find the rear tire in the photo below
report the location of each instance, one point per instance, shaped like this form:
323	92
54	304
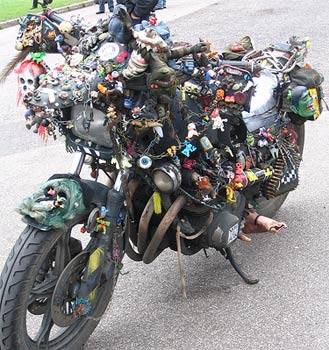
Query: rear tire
26	266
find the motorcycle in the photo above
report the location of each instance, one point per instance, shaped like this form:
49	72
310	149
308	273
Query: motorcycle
198	149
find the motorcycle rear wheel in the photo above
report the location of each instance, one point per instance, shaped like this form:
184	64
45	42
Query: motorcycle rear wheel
28	260
269	207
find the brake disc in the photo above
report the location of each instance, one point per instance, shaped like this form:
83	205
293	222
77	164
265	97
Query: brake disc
65	293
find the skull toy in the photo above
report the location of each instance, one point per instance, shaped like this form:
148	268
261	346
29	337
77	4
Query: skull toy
28	77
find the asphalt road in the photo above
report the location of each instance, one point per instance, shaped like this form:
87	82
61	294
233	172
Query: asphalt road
289	308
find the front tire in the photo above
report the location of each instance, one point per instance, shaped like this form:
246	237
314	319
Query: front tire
28	279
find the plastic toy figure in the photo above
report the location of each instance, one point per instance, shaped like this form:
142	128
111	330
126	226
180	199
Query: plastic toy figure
302	102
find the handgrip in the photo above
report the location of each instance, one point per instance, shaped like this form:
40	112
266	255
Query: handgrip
53	16
250	66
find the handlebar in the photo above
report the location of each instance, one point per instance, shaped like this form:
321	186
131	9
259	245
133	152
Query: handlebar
249	66
53	16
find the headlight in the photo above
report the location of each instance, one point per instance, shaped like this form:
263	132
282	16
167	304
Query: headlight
167	178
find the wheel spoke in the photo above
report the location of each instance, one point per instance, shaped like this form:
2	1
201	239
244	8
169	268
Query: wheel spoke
63	255
42	338
43	290
45	287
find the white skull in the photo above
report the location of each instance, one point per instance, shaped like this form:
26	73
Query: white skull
28	82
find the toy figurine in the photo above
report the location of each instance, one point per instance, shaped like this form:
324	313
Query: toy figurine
302	102
28	77
191	130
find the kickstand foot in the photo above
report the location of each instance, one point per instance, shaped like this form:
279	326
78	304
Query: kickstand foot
227	253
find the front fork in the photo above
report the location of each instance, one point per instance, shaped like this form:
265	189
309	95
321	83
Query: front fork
77	164
110	245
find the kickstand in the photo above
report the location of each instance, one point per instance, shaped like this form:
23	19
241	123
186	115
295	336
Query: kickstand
227	253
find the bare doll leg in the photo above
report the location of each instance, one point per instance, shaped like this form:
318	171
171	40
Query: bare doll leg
255	223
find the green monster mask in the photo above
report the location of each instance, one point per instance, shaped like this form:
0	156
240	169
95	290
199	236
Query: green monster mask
302	102
57	201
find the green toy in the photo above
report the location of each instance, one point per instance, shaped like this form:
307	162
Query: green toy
57	201
302	102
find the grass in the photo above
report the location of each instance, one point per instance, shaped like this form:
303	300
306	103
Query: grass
11	9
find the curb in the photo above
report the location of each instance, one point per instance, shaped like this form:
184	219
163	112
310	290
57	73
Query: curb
72	7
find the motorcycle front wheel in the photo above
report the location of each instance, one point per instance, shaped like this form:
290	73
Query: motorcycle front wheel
27	284
269	207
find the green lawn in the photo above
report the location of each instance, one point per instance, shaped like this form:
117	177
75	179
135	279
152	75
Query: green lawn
11	9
